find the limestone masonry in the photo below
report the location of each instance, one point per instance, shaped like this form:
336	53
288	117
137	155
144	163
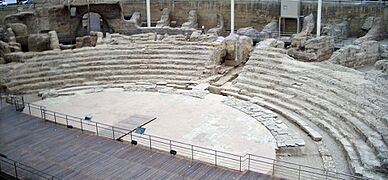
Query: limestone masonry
321	96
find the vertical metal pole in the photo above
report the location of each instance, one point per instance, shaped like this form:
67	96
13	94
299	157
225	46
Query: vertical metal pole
192	152
148	7
88	17
299	172
319	11
41	112
96	129
170	145
44	114
326	174
273	167
249	161
215	157
131	135
66	121
71	32
82	129
29	109
55	118
231	16
16	171
150	141
240	163
113	132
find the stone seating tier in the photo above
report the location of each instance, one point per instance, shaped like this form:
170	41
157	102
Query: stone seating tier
325	96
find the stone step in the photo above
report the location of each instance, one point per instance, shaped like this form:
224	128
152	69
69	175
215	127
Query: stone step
59	84
342	99
333	94
74	68
369	160
91	74
129	54
332	84
320	104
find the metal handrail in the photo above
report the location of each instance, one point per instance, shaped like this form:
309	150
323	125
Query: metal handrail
22	171
246	162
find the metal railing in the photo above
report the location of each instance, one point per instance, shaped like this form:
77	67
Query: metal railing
249	162
21	171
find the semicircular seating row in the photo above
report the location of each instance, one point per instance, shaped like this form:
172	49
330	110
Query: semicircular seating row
148	61
341	101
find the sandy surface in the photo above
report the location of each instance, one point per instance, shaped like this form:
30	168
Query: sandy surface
204	122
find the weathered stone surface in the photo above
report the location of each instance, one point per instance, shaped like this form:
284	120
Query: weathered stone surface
238	49
270	30
339	31
54	41
192	21
315	49
13	57
270	43
136	19
38	42
298	40
357	55
219	29
164	19
382	65
83	42
48	93
10	35
249	32
100	37
4	48
308	26
179	37
93	38
15	47
278	129
195	35
369	21
376	32
19	29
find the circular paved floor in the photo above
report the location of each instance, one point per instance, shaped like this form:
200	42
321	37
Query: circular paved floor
204	122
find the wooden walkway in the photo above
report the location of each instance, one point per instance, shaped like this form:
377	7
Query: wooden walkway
71	154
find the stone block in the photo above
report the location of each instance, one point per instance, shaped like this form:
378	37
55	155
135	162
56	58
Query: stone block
38	42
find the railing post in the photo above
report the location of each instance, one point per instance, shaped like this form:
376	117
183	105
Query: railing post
16	171
113	132
299	172
249	161
215	157
41	111
273	167
29	108
192	152
240	163
55	118
131	135
82	129
96	129
67	121
326	174
150	141
170	145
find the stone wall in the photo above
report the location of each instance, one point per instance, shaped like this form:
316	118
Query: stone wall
248	13
257	13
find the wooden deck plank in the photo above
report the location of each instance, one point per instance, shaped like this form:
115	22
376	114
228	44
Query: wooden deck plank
71	154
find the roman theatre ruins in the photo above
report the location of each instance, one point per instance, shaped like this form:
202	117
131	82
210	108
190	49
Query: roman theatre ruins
287	89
